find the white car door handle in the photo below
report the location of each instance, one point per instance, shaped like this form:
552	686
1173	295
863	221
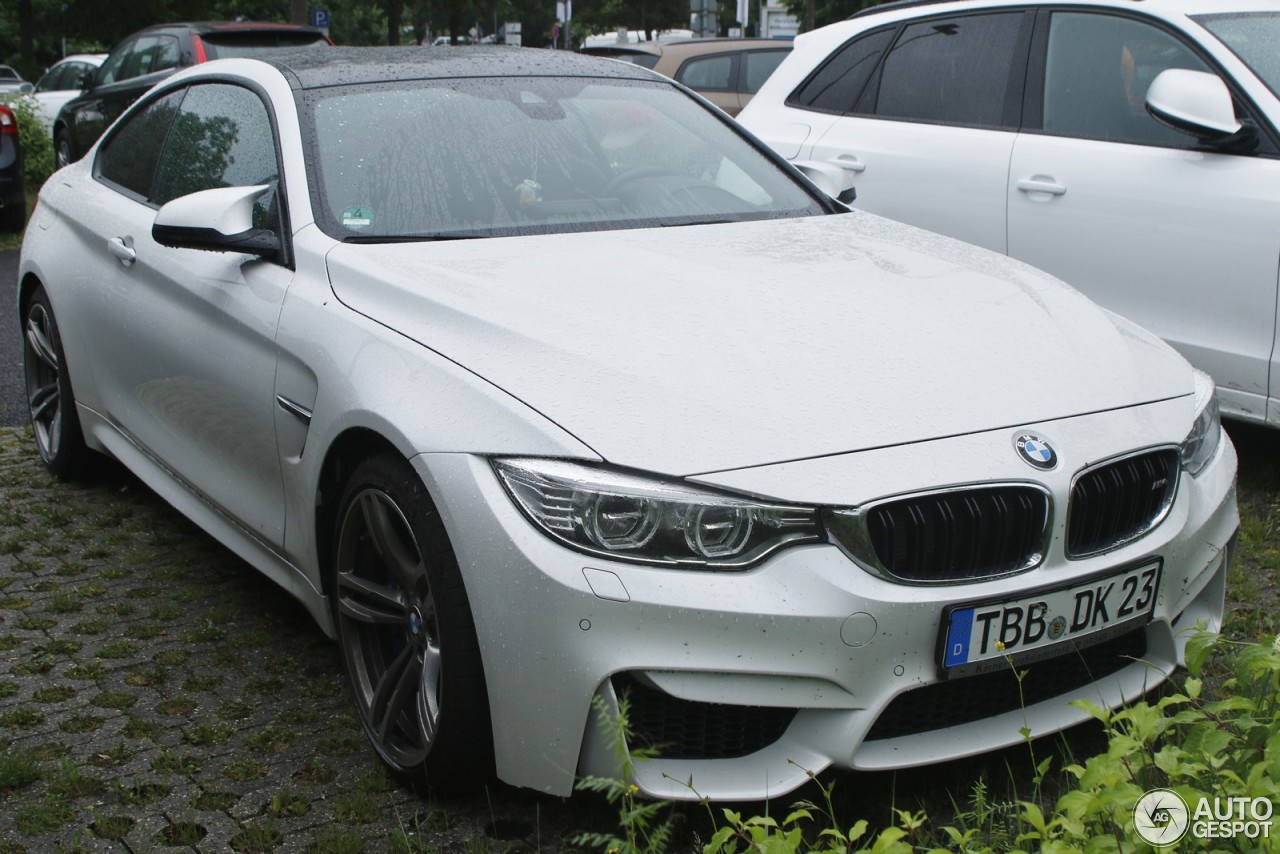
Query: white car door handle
1041	185
848	162
122	248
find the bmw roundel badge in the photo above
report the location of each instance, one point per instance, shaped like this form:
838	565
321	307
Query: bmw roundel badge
1036	450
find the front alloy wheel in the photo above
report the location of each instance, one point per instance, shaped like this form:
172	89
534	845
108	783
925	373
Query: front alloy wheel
49	399
406	633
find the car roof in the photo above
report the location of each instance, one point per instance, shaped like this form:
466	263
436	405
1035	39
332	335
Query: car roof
686	47
96	58
211	27
340	66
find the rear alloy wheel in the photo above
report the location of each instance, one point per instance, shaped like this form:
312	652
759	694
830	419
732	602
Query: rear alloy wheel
406	632
49	399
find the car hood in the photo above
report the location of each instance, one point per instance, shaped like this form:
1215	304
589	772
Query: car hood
697	349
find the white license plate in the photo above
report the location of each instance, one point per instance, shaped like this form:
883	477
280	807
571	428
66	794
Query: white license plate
995	635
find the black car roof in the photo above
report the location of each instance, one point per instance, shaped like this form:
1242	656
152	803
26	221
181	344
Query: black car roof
341	66
203	27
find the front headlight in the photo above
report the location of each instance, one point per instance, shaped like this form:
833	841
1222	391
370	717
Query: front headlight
1202	442
636	517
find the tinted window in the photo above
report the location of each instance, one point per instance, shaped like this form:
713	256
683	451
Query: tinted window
708	72
224	45
149	53
1097	73
109	71
838	84
953	70
759	65
52	79
128	158
221	137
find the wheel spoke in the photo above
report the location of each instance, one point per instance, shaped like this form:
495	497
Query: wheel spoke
394	693
40	344
44	399
384	533
429	695
368	601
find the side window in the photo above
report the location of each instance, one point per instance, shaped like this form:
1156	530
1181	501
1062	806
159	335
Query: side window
954	71
1097	71
52	79
110	70
166	53
837	85
222	137
708	72
129	156
150	53
758	65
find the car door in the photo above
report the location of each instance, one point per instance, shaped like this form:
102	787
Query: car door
187	337
1138	216
929	135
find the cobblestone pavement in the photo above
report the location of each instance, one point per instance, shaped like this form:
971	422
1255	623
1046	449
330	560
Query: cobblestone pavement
157	693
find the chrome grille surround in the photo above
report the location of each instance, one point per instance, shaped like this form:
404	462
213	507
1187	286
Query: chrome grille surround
1121	499
955	535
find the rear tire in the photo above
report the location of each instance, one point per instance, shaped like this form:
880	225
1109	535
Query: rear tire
50	401
406	632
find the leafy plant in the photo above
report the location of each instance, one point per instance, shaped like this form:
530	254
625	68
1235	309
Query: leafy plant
644	826
37	145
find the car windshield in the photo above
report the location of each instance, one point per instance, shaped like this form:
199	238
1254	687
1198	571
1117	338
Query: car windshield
1253	37
453	158
7	73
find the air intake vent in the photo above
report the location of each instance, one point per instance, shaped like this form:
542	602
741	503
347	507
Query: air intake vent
1119	501
683	729
958	535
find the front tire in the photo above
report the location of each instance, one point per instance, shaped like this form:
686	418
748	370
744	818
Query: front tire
50	401
406	632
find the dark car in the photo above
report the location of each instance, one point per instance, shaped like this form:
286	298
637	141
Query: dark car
147	57
13	199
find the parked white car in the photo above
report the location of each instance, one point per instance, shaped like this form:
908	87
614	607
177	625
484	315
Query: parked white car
63	81
543	386
1028	128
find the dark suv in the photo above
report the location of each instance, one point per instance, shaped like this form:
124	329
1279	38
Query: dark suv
150	55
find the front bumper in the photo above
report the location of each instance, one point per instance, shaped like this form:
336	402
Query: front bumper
749	681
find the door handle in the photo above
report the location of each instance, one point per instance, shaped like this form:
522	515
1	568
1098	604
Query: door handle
122	249
1041	184
848	162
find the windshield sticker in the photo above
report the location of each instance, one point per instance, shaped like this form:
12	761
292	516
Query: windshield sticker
357	218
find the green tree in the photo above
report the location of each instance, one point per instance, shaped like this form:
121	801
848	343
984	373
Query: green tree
823	12
645	16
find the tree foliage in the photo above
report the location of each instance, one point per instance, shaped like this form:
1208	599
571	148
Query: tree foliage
824	11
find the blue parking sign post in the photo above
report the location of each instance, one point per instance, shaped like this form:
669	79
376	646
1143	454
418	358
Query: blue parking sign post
320	19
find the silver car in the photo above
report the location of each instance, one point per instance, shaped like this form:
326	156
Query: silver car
544	387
